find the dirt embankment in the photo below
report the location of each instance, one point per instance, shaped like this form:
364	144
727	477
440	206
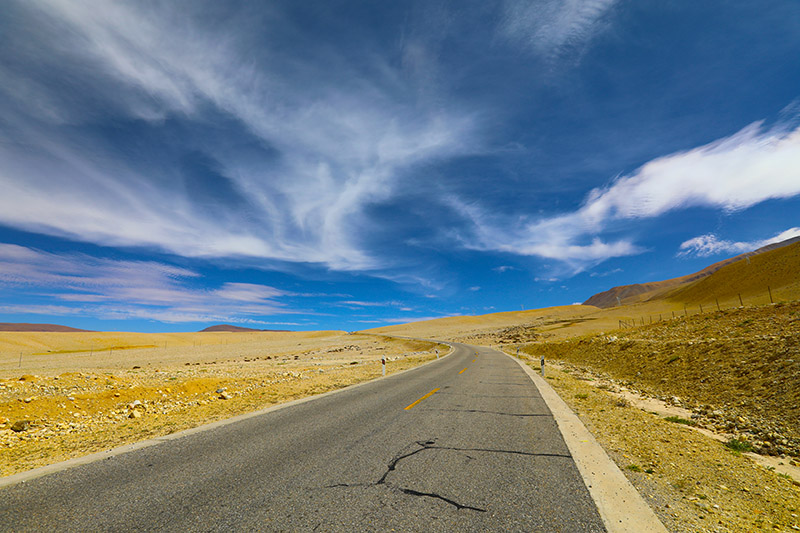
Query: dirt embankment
693	483
738	370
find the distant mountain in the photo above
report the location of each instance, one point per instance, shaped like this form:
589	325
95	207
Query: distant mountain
237	329
639	292
54	328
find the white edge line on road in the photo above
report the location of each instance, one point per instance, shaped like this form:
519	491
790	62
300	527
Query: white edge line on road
28	475
620	505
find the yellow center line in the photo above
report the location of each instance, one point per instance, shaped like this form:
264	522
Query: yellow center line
426	396
473	360
463	370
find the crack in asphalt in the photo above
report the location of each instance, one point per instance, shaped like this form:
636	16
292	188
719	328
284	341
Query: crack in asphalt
455	504
470	395
488	412
503	383
430	445
393	464
424	445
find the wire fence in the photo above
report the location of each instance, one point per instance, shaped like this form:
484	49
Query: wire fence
765	298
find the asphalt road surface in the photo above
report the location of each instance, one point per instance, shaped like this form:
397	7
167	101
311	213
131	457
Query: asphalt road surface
462	444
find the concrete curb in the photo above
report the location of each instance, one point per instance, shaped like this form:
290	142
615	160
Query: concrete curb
619	503
22	477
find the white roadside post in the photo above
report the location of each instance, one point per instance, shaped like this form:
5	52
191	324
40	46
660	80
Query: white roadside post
383	365
542	362
437	353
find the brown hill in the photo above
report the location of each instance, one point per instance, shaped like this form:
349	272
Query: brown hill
628	294
11	326
237	329
775	271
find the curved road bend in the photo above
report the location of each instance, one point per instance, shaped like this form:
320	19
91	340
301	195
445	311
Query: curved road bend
481	453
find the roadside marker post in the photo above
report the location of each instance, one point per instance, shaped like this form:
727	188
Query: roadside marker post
541	360
383	365
437	353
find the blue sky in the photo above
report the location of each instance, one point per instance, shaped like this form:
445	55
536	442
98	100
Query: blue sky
340	164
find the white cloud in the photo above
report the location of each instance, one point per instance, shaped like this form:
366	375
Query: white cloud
604	274
358	303
342	134
710	244
733	173
503	268
108	288
553	26
475	288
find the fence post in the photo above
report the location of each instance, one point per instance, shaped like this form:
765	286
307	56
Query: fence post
701	309
20	359
717	300
685	312
770	295
740	301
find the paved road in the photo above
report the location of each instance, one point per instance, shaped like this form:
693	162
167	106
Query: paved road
482	453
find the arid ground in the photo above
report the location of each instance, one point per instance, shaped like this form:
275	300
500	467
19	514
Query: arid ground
64	401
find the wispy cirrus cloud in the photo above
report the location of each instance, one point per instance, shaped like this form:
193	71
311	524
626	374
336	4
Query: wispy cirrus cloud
731	174
115	289
552	27
324	134
710	244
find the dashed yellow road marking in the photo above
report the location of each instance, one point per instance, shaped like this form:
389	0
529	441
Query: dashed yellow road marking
463	370
426	396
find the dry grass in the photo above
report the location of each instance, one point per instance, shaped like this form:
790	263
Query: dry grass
517	327
695	484
777	269
553	321
743	361
112	350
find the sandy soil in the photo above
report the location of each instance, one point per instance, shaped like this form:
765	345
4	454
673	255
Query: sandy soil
61	404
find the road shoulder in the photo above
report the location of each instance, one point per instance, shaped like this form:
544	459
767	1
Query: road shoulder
619	503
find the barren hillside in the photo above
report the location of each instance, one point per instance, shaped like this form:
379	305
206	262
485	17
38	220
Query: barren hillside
628	294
